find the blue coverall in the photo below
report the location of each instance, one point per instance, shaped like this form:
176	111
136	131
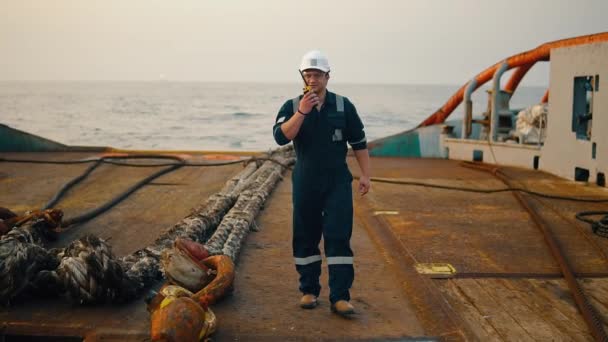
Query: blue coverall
322	192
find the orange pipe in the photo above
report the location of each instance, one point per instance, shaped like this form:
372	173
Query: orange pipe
517	76
545	98
541	53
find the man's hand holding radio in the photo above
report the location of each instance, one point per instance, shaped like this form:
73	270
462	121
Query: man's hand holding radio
308	102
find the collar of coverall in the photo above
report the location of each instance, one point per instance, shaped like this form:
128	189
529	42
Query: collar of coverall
330	98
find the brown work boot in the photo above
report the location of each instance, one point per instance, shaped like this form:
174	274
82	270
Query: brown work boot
308	301
343	308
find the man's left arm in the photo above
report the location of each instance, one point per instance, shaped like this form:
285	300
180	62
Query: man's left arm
357	140
364	179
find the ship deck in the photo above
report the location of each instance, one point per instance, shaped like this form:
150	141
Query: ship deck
507	286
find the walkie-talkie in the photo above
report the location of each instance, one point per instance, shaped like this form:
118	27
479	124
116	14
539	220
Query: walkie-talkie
306	88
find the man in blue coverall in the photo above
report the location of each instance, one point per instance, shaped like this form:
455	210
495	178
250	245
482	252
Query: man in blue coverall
320	123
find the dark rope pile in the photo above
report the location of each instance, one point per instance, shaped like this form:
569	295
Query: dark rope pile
6	218
88	272
599	227
22	257
86	269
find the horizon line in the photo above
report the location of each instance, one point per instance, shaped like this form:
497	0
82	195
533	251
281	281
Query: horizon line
244	82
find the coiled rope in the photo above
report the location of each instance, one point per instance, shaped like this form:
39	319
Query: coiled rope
88	271
22	258
599	227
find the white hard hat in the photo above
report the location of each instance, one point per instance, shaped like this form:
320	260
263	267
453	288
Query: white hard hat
314	59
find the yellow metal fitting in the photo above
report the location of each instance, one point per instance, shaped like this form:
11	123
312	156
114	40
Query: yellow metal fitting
436	270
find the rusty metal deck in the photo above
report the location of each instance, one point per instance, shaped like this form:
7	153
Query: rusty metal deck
505	272
504	268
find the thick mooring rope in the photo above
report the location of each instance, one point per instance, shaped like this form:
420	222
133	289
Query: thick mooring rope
235	226
88	271
22	257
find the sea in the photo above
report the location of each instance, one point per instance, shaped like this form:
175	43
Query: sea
167	115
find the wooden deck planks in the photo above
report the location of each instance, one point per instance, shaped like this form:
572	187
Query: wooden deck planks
571	329
478	324
532	322
523	309
493	312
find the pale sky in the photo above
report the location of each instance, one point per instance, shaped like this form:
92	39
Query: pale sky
373	41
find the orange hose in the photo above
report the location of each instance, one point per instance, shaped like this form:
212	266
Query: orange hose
541	53
545	98
517	76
